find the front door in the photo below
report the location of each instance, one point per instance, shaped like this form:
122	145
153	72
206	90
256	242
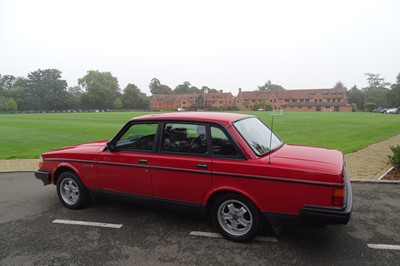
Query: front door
126	169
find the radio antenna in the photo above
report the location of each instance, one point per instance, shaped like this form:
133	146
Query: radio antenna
273	113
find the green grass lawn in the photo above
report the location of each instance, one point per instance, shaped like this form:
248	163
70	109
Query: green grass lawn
28	135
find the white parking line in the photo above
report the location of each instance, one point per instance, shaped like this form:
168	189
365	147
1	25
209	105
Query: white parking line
216	235
60	221
382	246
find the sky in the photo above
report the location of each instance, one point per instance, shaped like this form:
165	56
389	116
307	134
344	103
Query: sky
221	44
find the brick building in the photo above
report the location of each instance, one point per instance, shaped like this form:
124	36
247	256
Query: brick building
192	101
310	100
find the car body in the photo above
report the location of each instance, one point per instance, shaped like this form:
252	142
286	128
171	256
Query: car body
225	164
391	111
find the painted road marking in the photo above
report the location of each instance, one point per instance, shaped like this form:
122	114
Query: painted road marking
216	235
60	221
382	246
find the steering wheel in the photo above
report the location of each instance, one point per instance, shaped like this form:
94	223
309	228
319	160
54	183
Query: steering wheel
198	143
167	141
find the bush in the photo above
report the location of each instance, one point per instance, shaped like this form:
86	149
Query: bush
395	159
369	107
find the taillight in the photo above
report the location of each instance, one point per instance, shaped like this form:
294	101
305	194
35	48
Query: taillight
40	162
338	196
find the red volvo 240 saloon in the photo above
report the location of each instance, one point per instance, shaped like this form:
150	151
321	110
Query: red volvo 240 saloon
228	165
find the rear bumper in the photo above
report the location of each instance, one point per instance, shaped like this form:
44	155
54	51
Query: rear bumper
330	215
44	176
316	215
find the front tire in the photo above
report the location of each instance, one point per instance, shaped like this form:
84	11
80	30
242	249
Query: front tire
71	191
236	217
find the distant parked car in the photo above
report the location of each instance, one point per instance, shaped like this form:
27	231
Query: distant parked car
230	166
392	111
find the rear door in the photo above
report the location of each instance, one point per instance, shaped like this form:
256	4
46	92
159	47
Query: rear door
181	170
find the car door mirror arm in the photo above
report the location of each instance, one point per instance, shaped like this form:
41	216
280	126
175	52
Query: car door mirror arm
111	146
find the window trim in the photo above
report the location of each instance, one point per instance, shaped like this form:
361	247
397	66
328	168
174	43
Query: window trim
240	155
126	127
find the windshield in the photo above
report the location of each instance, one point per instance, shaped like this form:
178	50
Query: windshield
257	135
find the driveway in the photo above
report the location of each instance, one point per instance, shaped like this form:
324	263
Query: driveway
37	230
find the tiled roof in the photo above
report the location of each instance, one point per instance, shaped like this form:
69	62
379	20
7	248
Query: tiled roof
293	94
190	96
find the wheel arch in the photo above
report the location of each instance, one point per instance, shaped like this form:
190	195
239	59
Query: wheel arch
213	195
62	168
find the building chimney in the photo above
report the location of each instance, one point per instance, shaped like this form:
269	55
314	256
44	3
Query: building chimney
221	91
240	90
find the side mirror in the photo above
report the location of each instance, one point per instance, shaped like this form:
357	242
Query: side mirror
110	146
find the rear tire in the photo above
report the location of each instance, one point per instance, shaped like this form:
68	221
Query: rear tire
236	217
71	191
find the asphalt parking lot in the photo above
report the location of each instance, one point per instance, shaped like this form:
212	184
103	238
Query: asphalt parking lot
35	229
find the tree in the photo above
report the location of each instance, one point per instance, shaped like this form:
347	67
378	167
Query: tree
375	81
157	88
101	90
25	98
11	105
117	104
268	86
133	98
208	90
394	94
75	94
379	96
48	88
356	97
339	85
377	92
6	83
185	87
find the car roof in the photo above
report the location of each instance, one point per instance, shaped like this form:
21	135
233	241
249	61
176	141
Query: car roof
218	117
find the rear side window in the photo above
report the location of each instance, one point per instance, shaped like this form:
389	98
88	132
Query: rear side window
221	144
184	138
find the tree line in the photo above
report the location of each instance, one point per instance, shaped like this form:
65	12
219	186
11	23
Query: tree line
45	90
378	93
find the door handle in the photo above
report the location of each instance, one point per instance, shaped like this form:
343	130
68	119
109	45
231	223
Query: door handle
202	165
143	161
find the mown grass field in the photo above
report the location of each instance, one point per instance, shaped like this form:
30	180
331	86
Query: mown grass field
28	135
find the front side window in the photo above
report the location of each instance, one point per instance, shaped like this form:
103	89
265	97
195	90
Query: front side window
184	138
221	144
257	135
138	137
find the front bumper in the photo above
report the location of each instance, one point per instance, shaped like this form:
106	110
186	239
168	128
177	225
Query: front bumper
44	176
